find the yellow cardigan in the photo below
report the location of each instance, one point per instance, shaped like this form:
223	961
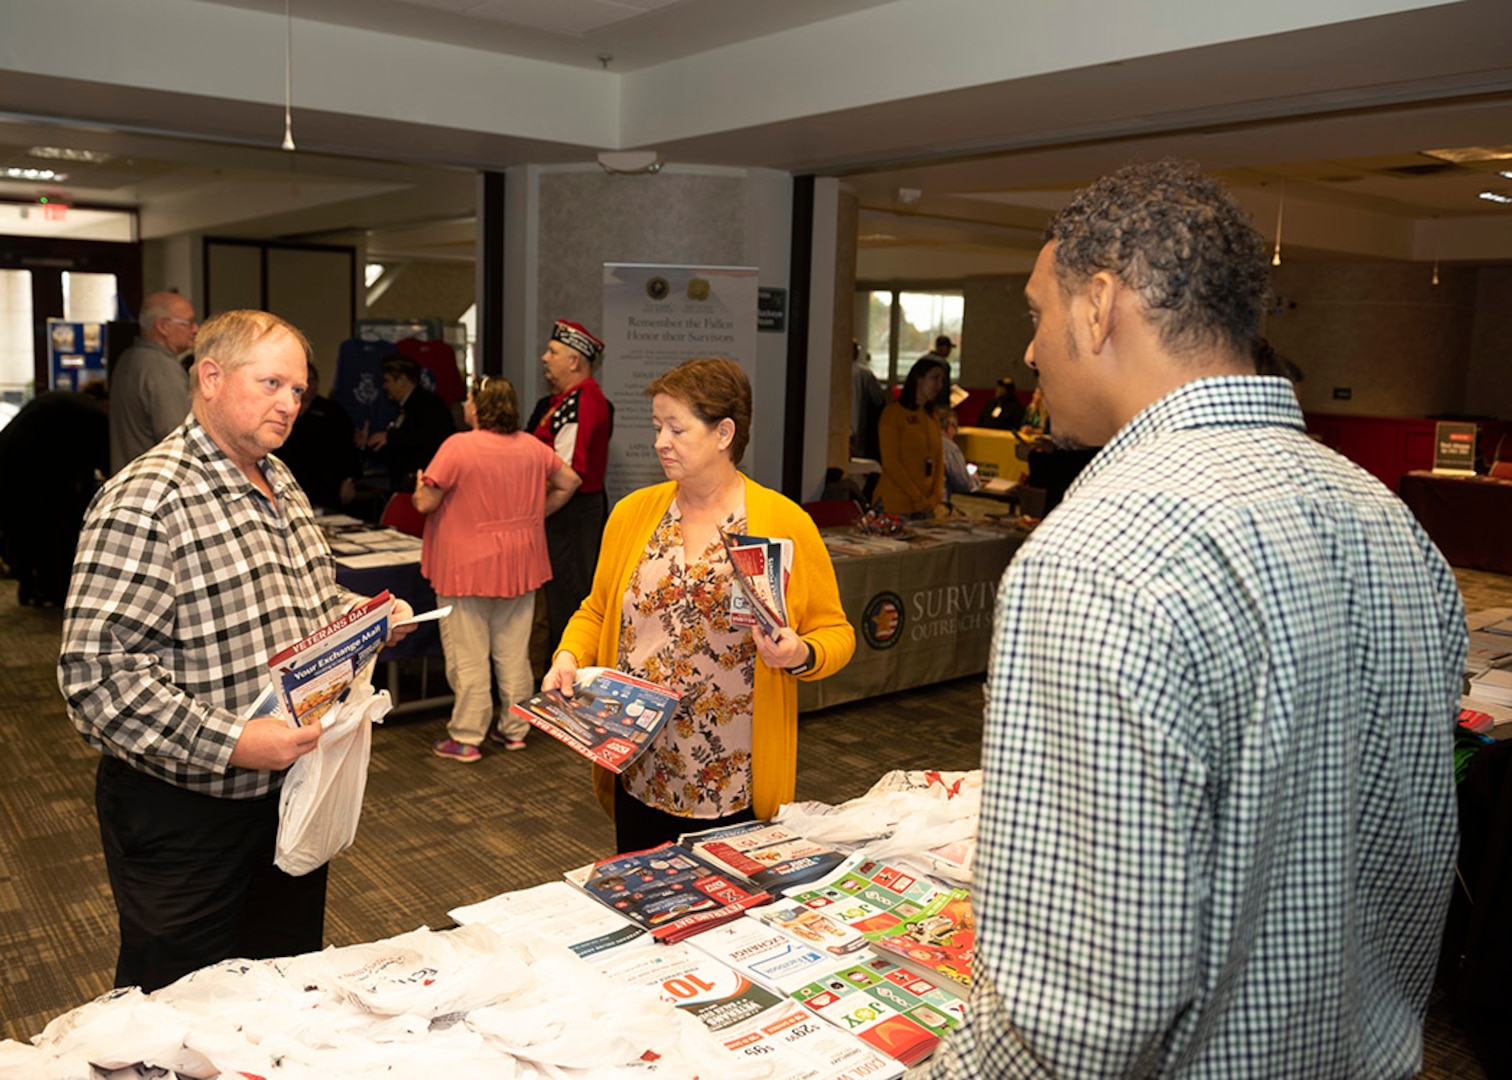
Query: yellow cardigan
592	636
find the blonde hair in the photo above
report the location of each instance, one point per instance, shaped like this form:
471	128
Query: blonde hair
229	338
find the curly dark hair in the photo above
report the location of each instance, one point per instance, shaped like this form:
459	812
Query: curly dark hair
1180	240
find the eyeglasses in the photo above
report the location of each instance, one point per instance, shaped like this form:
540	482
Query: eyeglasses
182	322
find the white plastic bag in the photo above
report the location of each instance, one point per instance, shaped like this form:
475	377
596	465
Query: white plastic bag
322	793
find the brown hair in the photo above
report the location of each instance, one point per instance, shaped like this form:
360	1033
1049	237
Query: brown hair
496	405
229	338
714	388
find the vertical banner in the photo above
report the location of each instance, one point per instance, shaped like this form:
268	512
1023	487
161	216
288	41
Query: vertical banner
655	317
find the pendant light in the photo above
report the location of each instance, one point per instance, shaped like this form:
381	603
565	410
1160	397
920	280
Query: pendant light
288	139
1280	210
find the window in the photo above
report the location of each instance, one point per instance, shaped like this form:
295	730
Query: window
89	297
16	345
898	327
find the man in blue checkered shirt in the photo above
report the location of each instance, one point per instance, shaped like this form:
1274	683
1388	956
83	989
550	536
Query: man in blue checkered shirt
197	562
1219	827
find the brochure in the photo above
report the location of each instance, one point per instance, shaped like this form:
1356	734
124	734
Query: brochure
751	1022
667	889
313	675
610	718
894	1010
770	856
760	948
762	568
939	943
553	912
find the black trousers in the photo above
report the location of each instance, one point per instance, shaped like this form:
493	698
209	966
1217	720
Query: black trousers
194	879
638	826
573	536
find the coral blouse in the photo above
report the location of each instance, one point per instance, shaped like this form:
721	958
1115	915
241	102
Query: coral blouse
488	536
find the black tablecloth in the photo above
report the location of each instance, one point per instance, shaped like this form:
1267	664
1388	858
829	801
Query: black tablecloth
1469	518
407	583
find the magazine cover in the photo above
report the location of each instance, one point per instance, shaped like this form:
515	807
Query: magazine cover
939	943
313	675
894	1010
667	889
610	718
770	856
762	568
750	1021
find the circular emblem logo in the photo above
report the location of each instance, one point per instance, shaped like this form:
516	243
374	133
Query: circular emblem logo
657	288
698	289
882	621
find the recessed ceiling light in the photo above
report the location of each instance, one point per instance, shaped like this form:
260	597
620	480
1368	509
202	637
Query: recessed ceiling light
43	175
1505	173
67	153
1496	197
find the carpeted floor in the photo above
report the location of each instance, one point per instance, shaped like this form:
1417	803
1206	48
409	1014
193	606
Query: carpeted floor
435	834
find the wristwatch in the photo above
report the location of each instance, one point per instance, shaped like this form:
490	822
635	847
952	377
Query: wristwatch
805	667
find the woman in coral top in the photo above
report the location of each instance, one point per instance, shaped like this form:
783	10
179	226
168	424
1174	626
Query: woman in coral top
488	493
660	609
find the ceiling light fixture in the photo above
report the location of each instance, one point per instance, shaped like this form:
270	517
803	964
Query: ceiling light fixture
68	153
1436	231
631	162
13	173
1496	197
1280	210
288	139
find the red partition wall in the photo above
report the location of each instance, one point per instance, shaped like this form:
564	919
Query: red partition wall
1388	446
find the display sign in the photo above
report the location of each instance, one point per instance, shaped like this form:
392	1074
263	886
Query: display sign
1454	448
771	310
656	317
76	353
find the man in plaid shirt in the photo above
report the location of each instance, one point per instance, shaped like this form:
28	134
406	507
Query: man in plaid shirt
197	562
1218	820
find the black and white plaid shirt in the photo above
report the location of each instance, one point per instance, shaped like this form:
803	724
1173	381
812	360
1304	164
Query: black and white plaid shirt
187	579
1219	823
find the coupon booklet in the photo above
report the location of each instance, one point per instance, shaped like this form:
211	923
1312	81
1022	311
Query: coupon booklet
666	889
312	676
762	568
609	719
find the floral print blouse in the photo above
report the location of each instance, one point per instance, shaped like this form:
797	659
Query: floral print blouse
675	630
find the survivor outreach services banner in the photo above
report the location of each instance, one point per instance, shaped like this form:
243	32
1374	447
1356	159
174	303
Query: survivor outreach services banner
655	317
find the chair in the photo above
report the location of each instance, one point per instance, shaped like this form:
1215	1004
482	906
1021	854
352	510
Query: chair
833	512
400	513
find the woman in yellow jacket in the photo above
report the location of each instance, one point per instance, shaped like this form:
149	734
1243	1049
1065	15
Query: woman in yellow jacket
913	474
659	609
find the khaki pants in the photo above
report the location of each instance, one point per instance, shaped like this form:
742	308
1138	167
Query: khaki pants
480	627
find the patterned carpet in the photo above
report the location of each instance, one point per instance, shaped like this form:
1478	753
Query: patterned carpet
435	834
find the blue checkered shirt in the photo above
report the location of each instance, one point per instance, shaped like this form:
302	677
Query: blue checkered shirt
187	579
1219	821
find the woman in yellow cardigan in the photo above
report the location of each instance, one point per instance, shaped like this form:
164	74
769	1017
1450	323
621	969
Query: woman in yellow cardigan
659	609
913	470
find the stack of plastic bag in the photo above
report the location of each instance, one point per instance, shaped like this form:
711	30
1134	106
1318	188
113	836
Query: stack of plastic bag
459	1004
924	817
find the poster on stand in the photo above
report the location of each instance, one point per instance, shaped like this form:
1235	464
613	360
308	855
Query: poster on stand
656	317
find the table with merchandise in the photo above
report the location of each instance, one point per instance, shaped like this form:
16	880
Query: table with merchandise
782	950
921	603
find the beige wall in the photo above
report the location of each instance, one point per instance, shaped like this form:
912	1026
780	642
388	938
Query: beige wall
590	218
1488	383
998	330
1400	344
1403	346
444	290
